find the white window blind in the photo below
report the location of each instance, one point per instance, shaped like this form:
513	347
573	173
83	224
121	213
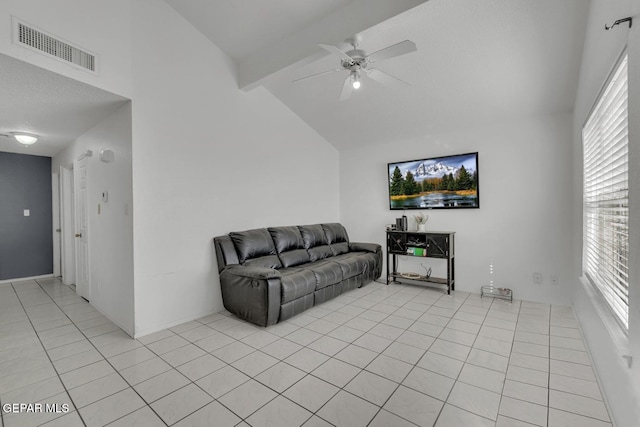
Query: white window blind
606	207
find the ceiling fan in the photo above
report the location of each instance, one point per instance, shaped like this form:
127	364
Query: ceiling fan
358	64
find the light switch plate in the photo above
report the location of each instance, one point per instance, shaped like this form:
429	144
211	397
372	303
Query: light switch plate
27	212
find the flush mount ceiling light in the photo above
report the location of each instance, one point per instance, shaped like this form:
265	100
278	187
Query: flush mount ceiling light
25	138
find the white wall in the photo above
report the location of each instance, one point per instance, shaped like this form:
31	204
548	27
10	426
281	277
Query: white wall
104	29
110	230
523	224
100	27
208	159
602	49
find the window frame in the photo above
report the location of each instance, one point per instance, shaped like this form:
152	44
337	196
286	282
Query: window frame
614	141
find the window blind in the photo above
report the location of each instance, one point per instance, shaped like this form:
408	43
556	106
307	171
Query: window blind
606	194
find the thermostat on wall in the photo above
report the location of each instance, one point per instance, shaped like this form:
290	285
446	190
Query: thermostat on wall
106	156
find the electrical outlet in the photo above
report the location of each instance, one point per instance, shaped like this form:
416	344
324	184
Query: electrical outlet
554	280
537	278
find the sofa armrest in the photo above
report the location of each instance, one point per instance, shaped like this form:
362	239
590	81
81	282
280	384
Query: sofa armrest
364	247
252	293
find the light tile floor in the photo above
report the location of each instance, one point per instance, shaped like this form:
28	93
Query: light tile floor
377	356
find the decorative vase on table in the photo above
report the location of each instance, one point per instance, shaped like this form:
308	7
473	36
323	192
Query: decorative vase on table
421	221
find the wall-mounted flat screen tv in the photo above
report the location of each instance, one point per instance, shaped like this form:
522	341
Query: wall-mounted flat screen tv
435	183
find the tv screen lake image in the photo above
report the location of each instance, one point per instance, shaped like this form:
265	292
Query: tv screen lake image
443	182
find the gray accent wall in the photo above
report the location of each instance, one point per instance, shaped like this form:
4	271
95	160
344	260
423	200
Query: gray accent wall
26	242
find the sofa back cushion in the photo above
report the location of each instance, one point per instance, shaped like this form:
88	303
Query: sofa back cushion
337	238
256	248
315	241
289	246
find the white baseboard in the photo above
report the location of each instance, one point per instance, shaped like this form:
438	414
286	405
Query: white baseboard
150	331
24	279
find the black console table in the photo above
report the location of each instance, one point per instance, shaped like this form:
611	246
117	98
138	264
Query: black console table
421	244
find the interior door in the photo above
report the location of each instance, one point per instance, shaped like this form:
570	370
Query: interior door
57	228
81	227
68	253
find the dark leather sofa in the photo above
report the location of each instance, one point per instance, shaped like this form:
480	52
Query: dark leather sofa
268	275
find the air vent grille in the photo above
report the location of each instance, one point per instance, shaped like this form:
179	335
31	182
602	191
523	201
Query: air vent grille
52	46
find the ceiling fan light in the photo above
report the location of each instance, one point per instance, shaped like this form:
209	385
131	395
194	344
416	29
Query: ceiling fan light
25	138
356	81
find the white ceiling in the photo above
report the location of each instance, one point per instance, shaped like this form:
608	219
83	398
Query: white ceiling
478	62
240	28
57	108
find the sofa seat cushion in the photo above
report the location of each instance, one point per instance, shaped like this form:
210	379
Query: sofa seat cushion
296	282
351	264
356	263
327	273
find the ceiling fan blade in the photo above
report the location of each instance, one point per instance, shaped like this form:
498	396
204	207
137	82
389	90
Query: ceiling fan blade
386	79
347	88
318	75
397	49
334	50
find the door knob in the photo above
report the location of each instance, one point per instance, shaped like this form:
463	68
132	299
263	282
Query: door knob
78	234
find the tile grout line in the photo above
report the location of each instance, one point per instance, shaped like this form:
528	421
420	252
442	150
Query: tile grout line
43	347
595	372
332	357
548	363
408	299
253	377
465	362
381	407
104	358
363	369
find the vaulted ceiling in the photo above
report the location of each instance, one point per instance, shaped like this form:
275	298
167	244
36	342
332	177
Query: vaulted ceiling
478	61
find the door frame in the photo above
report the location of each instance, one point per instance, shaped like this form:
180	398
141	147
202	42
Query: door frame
68	253
81	226
57	227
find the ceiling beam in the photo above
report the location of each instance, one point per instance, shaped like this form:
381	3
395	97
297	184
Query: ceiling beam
302	47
